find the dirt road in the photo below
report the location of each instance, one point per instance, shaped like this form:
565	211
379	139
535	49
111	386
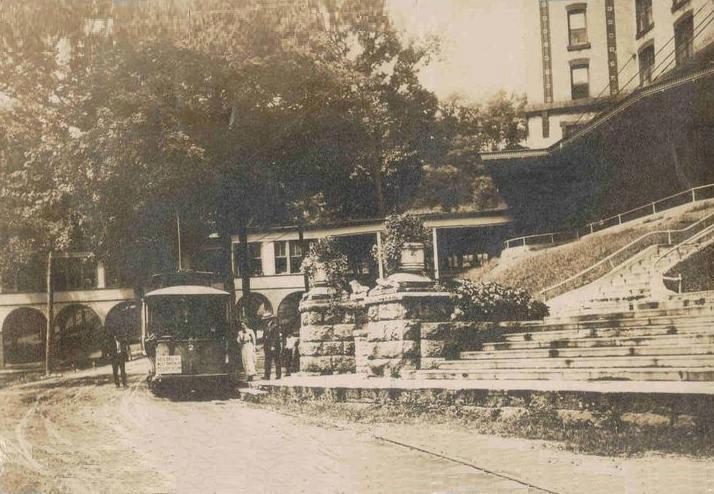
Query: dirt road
80	434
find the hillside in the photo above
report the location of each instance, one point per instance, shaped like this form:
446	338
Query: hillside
552	266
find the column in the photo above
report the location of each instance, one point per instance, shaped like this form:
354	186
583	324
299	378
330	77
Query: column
436	253
379	247
101	275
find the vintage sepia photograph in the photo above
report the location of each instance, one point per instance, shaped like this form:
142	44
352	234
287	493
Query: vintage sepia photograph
356	246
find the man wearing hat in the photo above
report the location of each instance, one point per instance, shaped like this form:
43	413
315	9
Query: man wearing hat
272	345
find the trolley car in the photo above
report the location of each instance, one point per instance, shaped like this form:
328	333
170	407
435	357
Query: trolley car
185	331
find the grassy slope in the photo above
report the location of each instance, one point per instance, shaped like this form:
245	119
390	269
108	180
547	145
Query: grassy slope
555	265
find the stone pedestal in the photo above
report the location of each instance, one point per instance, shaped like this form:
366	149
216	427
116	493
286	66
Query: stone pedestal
327	344
396	311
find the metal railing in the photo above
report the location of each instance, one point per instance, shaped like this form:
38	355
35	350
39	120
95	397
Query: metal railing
702	236
694	194
624	254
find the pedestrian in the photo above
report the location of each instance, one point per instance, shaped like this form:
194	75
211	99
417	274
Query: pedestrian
118	353
246	341
289	352
272	346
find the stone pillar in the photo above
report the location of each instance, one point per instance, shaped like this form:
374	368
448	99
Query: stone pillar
396	310
327	344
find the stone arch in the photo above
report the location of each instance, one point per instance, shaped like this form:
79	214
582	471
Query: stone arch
259	303
288	313
125	319
23	336
78	335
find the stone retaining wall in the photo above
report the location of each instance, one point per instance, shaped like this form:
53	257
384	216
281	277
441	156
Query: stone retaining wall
389	333
658	409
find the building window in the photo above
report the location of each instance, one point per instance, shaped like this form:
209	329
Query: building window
647	61
545	119
74	273
296	255
577	28
288	257
580	80
643	14
29	278
678	4
684	39
281	257
570	128
255	259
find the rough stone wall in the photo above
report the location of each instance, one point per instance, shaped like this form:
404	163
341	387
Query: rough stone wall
387	334
442	341
327	343
393	330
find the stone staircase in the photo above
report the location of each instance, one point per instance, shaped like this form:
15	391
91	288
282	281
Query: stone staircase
637	278
657	341
625	325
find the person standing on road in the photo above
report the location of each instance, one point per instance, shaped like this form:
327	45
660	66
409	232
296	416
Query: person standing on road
246	340
289	352
118	352
273	346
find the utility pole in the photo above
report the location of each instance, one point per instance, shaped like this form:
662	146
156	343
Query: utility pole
50	313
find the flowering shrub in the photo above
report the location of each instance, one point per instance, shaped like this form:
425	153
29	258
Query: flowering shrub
494	302
325	254
398	230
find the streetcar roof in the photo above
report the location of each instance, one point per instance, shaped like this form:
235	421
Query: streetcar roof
186	290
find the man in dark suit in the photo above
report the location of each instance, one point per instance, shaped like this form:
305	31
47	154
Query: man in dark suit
272	346
118	351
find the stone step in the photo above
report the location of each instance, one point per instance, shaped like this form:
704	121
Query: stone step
642	309
666	361
631	374
701	327
616	341
594	351
604	321
584	307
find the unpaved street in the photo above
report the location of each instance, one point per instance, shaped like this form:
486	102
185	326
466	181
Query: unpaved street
80	434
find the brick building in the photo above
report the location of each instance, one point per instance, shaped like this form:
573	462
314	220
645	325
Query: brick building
584	56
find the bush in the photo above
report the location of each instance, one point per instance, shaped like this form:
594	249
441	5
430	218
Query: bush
327	254
398	230
491	301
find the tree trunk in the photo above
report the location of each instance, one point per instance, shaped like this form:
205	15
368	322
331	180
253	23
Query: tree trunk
50	314
244	267
229	283
379	189
378	178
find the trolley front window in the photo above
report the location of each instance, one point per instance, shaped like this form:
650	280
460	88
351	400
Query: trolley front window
188	317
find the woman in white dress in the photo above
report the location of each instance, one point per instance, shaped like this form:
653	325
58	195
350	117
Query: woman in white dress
247	340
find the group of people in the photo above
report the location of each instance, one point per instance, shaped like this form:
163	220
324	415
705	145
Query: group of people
281	350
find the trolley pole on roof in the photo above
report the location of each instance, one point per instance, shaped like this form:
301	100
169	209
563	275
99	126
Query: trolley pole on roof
178	238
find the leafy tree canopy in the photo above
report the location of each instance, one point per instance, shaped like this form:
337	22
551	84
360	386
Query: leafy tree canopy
117	115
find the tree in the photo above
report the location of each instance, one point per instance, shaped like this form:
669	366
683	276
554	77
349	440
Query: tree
457	178
232	115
